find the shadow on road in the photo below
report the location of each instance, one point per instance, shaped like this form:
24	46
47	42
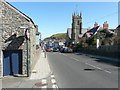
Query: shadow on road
78	54
102	60
107	61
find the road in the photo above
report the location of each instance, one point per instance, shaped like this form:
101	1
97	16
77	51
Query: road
75	70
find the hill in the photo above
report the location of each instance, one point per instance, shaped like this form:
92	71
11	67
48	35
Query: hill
57	36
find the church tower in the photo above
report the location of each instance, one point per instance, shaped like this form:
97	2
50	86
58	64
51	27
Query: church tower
76	26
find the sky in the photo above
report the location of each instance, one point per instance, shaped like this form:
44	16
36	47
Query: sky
56	17
119	13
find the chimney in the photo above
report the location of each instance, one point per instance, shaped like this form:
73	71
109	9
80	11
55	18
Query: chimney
96	24
105	25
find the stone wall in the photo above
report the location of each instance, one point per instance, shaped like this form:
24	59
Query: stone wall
13	34
33	48
106	51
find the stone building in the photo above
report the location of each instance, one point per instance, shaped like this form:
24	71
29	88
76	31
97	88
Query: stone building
117	37
17	51
76	26
68	37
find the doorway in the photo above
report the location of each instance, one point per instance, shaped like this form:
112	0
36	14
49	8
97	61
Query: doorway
12	62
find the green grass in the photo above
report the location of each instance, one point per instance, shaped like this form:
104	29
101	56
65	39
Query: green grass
57	36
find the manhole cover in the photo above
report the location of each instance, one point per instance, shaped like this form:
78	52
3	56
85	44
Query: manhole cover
89	69
39	84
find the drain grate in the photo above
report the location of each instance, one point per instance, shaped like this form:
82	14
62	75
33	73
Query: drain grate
89	69
40	84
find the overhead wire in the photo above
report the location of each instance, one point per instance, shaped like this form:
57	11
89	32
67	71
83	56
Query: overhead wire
103	17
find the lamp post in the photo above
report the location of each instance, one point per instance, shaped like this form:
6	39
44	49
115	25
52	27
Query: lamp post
97	44
98	40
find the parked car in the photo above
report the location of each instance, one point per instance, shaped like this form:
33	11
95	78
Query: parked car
55	49
66	50
69	50
62	49
49	49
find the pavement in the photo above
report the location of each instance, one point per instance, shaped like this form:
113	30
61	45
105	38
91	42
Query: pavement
41	69
38	79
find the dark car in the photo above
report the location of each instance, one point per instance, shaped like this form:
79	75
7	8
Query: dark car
62	49
69	50
66	50
55	49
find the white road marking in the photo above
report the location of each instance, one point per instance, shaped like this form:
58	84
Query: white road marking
90	65
107	71
54	86
75	59
44	87
98	68
93	66
52	76
70	57
53	81
44	81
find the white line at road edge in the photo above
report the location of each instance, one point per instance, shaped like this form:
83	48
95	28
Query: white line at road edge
98	68
75	59
54	86
53	81
93	66
44	87
71	57
52	76
44	81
